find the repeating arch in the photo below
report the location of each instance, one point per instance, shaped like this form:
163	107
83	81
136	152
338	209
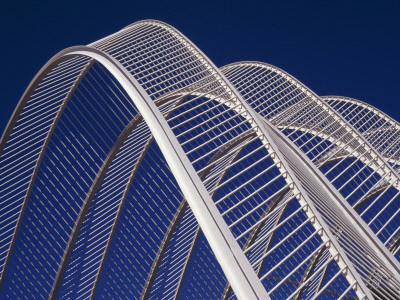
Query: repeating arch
308	122
382	132
328	139
111	139
159	127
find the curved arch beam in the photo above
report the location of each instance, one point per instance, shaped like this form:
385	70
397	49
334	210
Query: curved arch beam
333	155
121	205
271	238
309	271
233	261
221	152
227	86
252	116
344	208
394	125
254	233
179	213
177	216
256	118
117	217
367	106
162	249
375	155
378	188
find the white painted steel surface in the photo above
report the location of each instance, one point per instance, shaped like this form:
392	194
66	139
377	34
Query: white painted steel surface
135	168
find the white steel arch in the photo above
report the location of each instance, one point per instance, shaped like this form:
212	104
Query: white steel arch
387	128
266	221
278	118
344	148
259	81
382	132
98	59
238	270
80	51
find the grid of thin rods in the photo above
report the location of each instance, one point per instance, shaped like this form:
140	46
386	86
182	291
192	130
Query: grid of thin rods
88	127
104	194
332	146
217	125
20	155
316	131
382	132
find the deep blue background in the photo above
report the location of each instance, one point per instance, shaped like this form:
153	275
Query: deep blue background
348	48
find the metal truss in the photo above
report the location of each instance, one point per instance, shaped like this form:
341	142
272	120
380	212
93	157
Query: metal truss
329	141
135	168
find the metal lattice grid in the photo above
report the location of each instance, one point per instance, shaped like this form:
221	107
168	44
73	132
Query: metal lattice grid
134	168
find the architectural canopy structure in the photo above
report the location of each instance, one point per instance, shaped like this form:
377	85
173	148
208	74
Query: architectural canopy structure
135	168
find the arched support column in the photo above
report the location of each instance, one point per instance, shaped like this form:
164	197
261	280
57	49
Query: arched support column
232	259
228	253
340	205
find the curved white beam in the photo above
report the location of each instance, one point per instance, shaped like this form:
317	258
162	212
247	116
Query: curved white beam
375	157
257	123
184	170
394	125
203	175
376	161
341	206
235	265
231	258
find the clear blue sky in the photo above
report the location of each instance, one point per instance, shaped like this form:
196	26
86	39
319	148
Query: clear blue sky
347	48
